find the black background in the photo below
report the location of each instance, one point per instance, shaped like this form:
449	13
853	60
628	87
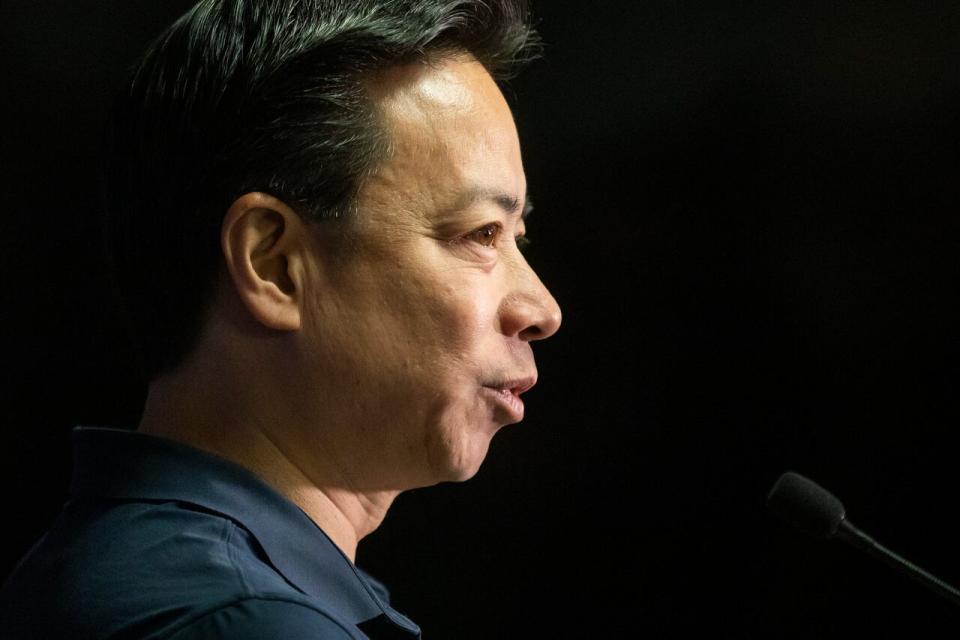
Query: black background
748	213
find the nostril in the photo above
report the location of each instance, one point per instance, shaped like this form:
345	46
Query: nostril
538	322
539	331
532	333
548	324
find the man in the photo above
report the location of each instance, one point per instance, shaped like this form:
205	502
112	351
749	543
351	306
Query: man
316	213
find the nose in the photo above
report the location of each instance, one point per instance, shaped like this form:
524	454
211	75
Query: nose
529	311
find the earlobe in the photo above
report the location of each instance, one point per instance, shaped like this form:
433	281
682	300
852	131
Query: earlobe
261	238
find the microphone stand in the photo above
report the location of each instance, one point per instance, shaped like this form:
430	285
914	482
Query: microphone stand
857	538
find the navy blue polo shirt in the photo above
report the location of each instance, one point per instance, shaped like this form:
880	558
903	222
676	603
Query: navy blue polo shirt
160	540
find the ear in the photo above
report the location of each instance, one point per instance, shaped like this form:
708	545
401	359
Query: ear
263	241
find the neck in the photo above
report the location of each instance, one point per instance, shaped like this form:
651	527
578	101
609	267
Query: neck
323	491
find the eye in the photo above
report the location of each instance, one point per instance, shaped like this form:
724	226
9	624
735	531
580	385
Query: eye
487	235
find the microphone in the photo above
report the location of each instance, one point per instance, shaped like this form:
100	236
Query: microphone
818	513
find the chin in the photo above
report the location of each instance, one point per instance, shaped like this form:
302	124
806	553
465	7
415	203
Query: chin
460	465
457	441
463	474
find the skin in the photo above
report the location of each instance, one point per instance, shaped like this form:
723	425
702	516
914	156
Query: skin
343	377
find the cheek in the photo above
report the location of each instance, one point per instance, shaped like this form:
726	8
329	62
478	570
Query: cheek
467	312
452	312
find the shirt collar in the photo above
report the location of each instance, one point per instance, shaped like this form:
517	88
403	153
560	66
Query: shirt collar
119	463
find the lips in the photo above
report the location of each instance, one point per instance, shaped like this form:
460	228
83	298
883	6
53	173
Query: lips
506	394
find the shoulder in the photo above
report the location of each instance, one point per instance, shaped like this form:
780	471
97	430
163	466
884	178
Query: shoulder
258	618
157	566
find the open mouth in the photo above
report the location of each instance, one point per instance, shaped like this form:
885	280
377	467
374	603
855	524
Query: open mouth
509	403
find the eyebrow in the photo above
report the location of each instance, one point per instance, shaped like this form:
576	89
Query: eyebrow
509	203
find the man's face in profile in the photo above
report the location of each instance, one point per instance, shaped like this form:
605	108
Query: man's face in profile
425	325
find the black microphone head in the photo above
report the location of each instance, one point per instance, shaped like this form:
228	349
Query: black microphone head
806	505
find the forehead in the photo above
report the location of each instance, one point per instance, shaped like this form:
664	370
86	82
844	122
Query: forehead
440	84
450	132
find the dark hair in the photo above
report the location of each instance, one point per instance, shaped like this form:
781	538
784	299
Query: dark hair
259	95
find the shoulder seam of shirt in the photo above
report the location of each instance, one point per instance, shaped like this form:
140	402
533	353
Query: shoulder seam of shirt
206	614
231	528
